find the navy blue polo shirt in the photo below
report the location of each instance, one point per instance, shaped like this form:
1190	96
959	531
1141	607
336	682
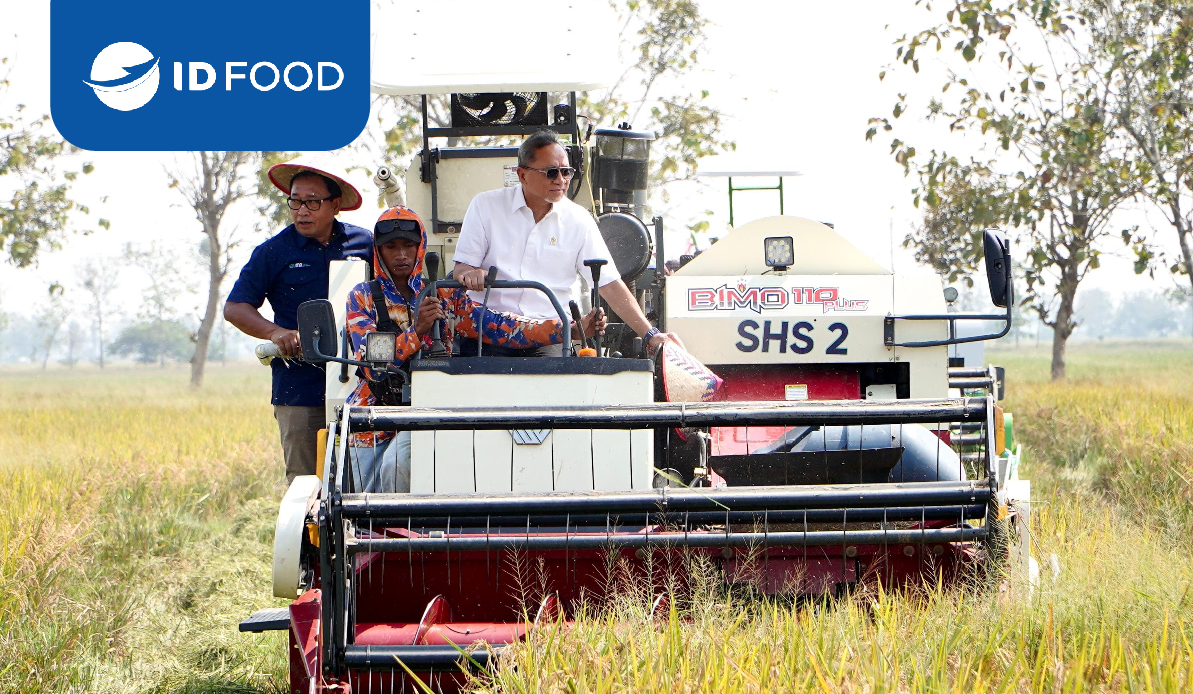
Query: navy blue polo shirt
287	270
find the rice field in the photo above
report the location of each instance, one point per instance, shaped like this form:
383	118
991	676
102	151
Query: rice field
136	522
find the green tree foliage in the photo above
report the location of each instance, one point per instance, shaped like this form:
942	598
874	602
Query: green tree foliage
50	317
1059	167
35	218
272	204
98	278
665	41
1150	46
155	341
165	284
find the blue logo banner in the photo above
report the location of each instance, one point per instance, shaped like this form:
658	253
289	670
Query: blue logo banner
216	75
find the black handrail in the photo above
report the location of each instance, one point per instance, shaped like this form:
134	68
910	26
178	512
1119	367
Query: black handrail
500	284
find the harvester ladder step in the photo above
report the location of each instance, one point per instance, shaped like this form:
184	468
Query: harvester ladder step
269	619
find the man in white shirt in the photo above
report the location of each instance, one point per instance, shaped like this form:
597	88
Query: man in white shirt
533	232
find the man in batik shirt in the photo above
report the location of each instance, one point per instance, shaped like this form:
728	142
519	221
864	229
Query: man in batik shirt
378	463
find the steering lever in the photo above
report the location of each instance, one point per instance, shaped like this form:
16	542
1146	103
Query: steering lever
490	278
594	266
438	349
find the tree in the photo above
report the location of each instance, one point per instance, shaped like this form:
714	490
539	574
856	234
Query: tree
98	278
212	182
1150	44
152	341
668	42
1062	167
166	282
1096	313
37	214
50	317
661	40
1182	296
74	337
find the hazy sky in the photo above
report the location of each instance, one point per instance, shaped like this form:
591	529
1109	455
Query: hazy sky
797	80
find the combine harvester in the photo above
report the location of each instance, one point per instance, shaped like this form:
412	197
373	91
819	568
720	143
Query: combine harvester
843	449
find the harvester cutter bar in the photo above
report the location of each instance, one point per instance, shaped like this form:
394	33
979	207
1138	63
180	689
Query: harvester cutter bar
667	414
675	500
420	658
853	515
708	538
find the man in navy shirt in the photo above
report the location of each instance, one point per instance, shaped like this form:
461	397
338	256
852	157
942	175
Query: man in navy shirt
286	270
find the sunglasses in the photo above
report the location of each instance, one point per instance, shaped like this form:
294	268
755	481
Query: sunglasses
312	205
554	172
385	226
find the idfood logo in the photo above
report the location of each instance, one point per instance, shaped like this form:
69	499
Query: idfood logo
226	86
124	76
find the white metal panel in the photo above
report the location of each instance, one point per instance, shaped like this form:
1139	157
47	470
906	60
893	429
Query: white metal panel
495	471
566	460
343	275
819	250
534	466
460	180
922	294
773	319
573	458
422	447
445	46
615	473
641	459
455	471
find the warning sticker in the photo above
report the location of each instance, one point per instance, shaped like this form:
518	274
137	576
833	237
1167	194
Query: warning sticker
795	391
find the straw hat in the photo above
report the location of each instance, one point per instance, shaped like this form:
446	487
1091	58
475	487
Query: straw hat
685	379
321	163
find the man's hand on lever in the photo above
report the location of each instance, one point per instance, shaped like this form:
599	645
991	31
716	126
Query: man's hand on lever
429	311
249	321
594	323
287	342
471	277
619	298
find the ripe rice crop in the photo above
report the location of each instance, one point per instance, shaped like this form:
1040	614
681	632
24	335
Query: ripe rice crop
137	520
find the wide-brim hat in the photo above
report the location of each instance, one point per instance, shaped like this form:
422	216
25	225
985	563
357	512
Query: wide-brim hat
685	379
281	175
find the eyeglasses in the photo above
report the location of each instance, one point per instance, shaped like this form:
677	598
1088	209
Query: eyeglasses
385	226
554	172
312	205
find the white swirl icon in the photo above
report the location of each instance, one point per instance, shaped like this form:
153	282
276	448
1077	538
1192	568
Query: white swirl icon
124	76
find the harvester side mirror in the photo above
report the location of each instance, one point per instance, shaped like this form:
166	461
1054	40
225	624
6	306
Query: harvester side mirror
998	268
317	330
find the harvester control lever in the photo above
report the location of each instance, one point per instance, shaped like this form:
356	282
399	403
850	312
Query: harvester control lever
594	266
438	349
585	350
490	278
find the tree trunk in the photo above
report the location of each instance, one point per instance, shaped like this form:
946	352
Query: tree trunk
99	333
1062	327
215	280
